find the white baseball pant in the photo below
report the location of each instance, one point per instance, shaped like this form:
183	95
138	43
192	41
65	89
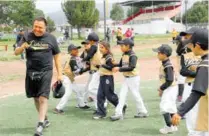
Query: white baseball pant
168	100
192	114
181	79
86	94
69	87
130	84
94	86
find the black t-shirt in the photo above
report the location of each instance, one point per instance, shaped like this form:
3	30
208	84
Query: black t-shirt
40	53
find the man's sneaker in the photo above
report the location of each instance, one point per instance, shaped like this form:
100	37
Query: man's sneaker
167	130
141	115
56	111
124	109
116	117
39	130
97	117
85	107
46	123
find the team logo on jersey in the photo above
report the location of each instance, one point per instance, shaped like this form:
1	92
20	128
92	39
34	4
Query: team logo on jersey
38	45
107	82
190	62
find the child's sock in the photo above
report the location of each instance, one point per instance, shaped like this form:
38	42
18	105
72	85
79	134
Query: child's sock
167	118
181	89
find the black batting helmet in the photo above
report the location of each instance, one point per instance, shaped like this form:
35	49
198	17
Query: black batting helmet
58	90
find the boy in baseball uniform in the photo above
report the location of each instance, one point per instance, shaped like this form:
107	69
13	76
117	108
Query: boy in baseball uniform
198	99
128	66
73	67
94	57
87	46
168	89
189	63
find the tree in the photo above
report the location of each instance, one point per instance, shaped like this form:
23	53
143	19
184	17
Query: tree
198	13
117	12
131	11
4	11
38	13
19	12
51	25
81	14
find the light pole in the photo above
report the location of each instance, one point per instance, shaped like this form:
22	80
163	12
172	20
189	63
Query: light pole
186	2
104	20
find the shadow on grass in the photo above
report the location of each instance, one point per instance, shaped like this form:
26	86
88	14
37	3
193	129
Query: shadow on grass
22	131
76	112
145	131
142	131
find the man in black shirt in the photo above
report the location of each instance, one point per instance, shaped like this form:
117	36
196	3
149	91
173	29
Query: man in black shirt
41	47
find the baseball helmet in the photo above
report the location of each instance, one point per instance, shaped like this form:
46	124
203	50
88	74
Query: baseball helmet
58	90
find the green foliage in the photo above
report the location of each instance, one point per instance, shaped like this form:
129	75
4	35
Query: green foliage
51	25
132	10
197	14
8	29
38	13
117	12
17	12
81	13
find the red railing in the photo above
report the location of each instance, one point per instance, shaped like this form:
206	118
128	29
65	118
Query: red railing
143	11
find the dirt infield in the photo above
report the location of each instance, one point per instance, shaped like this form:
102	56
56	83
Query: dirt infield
148	71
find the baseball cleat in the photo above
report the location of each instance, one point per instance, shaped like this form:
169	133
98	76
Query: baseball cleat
167	130
141	115
97	117
56	111
116	117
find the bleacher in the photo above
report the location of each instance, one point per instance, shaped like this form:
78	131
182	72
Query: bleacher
146	15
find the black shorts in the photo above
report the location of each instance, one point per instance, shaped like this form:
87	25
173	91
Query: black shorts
38	84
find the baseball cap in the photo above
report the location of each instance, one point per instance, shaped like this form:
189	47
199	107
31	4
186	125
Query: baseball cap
85	42
72	47
190	31
165	49
93	37
126	41
200	37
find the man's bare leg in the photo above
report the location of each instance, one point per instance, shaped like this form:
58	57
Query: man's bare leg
36	102
43	107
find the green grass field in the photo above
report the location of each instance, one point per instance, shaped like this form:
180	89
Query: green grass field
9	54
18	118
